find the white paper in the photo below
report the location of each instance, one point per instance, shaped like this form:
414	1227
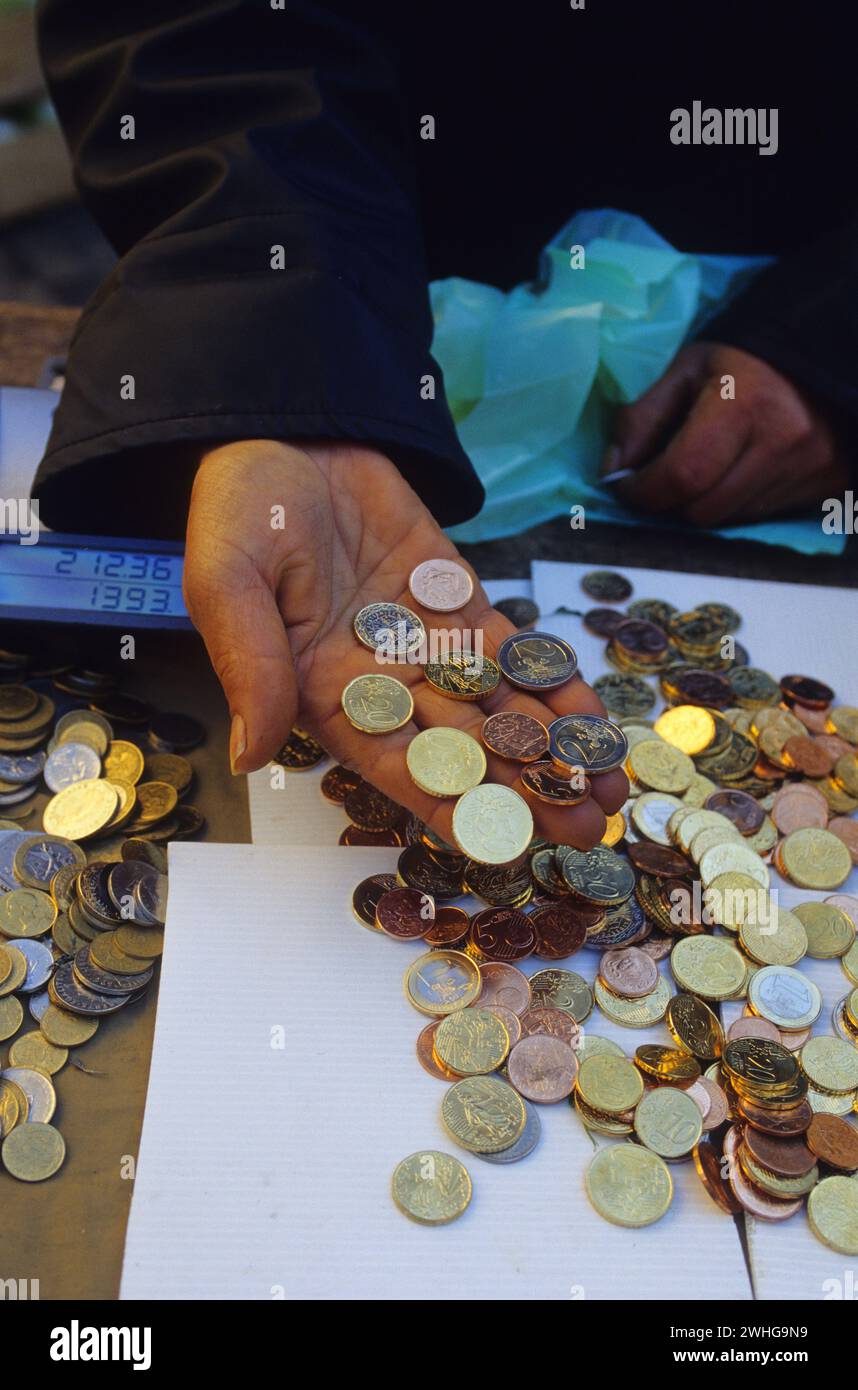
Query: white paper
797	627
265	1172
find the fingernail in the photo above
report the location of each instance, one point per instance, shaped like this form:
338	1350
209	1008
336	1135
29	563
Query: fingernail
237	742
613	459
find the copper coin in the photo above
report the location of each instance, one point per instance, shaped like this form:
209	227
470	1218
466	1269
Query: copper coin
603	621
543	1069
370	809
378	839
418	869
698	687
710	1165
441	585
846	831
834	744
450	927
546	783
503	934
786	1157
426	1054
510	1020
814	719
847	903
516	736
544	1019
503	986
366	896
698	1094
338	782
630	973
741	809
809	756
796	1039
405	913
658	860
642	639
799	807
750	1026
561	929
779	1123
835	1141
657	945
719	1106
758	1203
804	690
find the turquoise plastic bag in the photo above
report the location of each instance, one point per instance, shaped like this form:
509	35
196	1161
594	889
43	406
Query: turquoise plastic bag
532	376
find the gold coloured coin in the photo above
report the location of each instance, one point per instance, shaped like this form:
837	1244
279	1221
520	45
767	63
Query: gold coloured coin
694	1027
18	973
843	720
463	676
634	1013
734	898
33	1152
483	1114
732	857
830	1065
142	943
155	801
377	704
707	966
34	1050
661	767
832	1210
610	1084
669	1122
441	982
25	912
123	762
672	1066
689	728
492	824
13	1106
66	1030
562	989
431	1187
781	941
445	762
815	858
821	1103
11	1016
472	1042
81	810
829	931
629	1185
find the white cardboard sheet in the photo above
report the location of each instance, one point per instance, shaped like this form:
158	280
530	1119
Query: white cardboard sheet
264	1172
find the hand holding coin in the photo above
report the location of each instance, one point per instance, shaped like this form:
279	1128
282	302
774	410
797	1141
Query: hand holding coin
285	546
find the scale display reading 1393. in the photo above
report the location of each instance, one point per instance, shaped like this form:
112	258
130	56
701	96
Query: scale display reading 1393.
92	579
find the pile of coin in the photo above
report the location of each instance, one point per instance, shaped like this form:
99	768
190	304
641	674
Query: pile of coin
723	787
83	901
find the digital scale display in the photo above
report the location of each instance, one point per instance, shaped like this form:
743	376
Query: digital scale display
93	579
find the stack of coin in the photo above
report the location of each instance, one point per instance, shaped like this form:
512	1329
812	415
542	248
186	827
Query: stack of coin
83	901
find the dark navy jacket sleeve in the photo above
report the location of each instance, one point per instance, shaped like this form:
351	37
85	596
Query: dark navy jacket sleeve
254	128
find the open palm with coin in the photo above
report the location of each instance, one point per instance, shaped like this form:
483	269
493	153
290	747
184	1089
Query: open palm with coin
274	594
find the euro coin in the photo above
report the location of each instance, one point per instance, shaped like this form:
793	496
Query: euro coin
689	728
543	1068
832	1210
463	676
442	981
81	810
33	1152
34	1050
629	1185
25	912
660	767
634	1013
492	824
483	1114
536	661
707	966
472	1042
431	1187
511	734
830	1065
445	762
610	1084
587	741
391	629
441	585
66	1030
669	1122
814	858
377	704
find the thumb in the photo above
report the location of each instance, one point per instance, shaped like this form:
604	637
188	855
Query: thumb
241	625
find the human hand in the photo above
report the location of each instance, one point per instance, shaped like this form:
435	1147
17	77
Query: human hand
716	460
275	609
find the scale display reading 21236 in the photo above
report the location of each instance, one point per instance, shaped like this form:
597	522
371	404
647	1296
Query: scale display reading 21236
92	580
